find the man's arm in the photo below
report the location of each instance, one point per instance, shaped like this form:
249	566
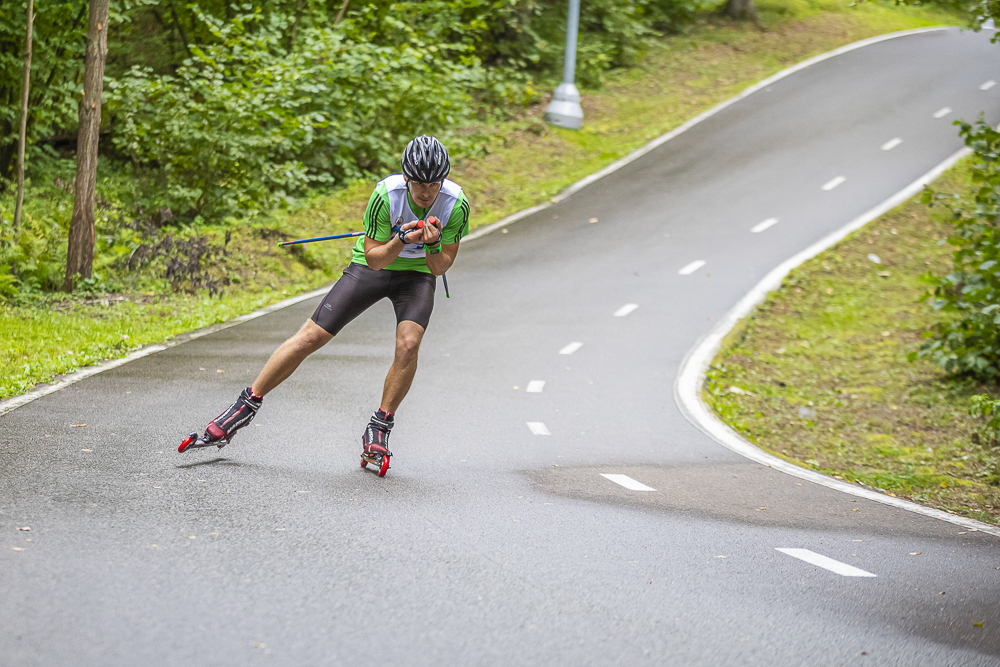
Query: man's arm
442	261
380	254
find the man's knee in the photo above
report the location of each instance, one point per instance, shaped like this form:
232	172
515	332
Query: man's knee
311	337
408	343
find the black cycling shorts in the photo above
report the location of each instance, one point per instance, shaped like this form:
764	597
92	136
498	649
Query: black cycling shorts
411	293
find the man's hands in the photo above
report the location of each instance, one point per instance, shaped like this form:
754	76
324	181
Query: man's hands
428	233
379	254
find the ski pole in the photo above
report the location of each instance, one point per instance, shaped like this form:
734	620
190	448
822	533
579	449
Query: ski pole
352	234
321	238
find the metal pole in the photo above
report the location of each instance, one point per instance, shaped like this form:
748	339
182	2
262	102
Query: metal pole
564	110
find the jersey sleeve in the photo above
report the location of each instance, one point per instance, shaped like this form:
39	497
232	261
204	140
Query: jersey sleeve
458	223
376	220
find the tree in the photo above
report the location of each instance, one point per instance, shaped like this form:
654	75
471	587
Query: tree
80	257
741	9
24	121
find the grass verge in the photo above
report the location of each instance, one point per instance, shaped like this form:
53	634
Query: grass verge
818	374
526	162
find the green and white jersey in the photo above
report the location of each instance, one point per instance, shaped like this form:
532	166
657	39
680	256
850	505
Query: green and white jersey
390	206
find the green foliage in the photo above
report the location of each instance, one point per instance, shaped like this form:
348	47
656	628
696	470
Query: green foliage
968	342
982	405
57	62
244	123
252	116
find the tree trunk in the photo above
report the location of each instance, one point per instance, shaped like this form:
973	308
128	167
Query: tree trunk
80	258
340	14
741	10
24	121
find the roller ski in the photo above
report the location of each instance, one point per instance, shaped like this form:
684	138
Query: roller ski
375	442
221	430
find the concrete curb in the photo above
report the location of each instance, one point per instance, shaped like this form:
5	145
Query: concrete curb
15	402
664	138
691	376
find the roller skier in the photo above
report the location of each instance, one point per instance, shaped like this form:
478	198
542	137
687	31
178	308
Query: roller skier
412	228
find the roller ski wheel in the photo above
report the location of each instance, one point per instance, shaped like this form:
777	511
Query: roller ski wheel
195	441
379	461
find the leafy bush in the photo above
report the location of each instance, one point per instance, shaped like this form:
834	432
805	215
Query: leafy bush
982	405
968	343
244	123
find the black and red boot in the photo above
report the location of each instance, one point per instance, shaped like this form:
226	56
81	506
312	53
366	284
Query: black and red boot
220	431
375	441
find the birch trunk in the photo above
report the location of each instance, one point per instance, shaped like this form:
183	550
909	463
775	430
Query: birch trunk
22	136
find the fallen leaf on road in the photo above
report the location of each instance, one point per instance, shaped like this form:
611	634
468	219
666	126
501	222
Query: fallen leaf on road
593	220
78	425
86	450
260	645
25	528
916	553
979	624
18	548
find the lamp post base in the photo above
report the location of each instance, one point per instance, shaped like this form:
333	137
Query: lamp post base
564	110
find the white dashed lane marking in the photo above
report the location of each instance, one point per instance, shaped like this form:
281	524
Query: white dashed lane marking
989	84
833	182
626	309
892	143
538	428
627	482
819	560
536	386
692	267
758	228
571	348
941	113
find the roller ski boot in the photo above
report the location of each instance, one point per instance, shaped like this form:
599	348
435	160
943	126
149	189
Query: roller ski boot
220	431
375	441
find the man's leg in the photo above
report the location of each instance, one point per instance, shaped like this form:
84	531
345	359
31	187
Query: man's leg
404	365
288	356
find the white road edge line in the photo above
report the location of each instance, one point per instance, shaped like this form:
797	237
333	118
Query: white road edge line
626	309
691	375
761	226
833	182
535	386
692	267
664	138
17	401
942	112
627	482
892	143
989	84
14	402
819	560
538	428
571	348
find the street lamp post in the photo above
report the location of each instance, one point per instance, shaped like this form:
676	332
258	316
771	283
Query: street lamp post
564	110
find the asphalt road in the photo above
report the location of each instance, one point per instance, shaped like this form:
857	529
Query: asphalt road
488	544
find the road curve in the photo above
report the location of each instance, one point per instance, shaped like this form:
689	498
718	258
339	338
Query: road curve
583	523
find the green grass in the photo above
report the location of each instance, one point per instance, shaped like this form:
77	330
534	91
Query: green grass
818	373
527	162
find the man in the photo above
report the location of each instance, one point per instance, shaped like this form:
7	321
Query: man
413	225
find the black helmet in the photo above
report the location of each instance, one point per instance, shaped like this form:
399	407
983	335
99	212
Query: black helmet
425	160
